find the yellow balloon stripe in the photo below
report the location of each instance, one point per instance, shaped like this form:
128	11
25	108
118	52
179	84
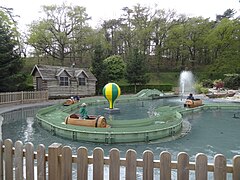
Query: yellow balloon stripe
119	91
109	92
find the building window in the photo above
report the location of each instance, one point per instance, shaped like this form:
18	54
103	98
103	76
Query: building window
82	81
64	81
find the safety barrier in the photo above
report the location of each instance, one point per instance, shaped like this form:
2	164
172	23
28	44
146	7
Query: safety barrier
19	161
23	97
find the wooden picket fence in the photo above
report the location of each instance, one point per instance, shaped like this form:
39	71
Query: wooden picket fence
23	97
18	161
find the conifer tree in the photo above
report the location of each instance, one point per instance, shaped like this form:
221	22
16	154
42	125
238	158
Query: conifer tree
97	67
10	59
136	68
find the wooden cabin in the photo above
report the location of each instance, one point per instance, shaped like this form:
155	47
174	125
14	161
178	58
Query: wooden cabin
63	81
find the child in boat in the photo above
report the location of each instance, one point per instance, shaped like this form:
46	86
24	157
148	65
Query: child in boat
83	111
190	96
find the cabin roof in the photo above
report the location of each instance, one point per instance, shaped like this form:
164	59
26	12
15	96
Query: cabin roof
48	72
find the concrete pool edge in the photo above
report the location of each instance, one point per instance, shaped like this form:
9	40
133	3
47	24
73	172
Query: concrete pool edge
141	133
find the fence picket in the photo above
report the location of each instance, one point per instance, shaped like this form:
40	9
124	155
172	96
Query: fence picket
182	167
41	162
148	165
18	160
165	165
236	167
29	161
98	164
114	165
131	164
54	165
82	163
66	163
220	169
201	167
8	159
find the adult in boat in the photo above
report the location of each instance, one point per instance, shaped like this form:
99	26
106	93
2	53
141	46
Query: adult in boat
190	96
83	111
191	102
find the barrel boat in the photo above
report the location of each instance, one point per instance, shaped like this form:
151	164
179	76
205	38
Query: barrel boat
69	102
193	103
92	121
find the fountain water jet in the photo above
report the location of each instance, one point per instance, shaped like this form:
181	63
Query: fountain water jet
186	82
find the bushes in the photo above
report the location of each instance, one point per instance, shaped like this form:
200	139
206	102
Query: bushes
232	82
199	88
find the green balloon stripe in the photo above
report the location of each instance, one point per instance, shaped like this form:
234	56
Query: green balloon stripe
104	91
114	92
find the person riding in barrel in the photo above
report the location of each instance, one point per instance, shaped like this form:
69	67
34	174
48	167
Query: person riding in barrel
190	96
83	111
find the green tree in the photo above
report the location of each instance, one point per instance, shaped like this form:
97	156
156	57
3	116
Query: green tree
221	37
114	68
136	69
61	33
10	60
97	67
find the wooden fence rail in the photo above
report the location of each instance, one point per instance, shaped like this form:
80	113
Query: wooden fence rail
18	161
23	97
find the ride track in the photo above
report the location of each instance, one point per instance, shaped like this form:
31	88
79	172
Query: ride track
169	125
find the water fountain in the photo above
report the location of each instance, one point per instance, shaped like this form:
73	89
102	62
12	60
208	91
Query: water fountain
186	82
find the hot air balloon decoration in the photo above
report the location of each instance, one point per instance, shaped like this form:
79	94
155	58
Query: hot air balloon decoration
111	92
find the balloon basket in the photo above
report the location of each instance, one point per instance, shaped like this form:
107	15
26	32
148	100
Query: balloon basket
112	111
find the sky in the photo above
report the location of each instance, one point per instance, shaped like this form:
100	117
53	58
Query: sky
100	10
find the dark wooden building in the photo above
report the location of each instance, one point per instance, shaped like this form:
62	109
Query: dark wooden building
63	81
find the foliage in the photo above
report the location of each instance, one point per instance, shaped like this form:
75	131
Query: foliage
167	41
136	68
227	63
10	61
208	83
229	13
200	89
97	67
61	33
218	83
232	82
114	68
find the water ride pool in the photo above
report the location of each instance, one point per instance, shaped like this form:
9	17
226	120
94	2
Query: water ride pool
139	120
213	131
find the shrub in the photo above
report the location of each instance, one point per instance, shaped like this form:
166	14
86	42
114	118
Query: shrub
200	89
218	83
232	82
208	83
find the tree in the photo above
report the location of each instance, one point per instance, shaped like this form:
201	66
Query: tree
97	67
10	59
114	68
136	69
229	13
61	33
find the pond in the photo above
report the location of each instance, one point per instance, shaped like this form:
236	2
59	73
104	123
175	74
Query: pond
212	132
